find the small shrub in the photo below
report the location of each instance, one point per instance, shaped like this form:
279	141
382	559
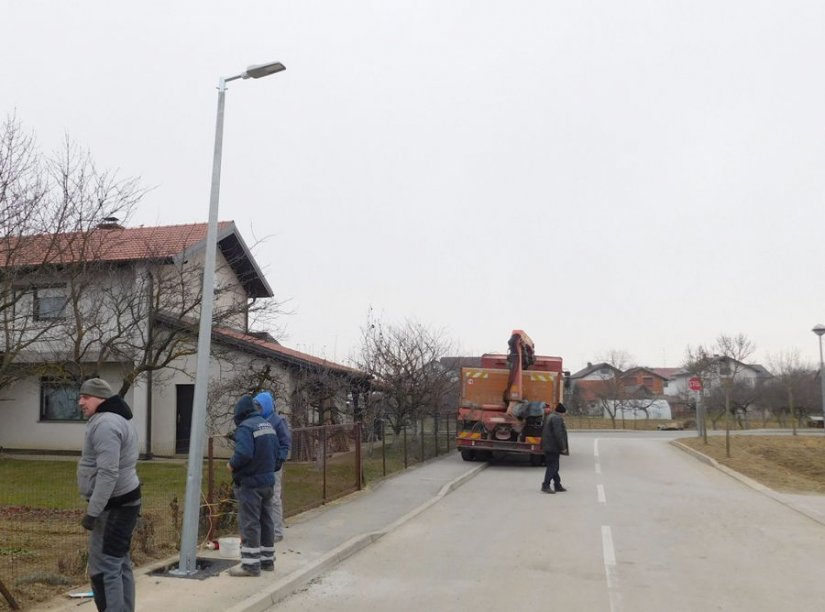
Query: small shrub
174	509
74	565
44	578
144	537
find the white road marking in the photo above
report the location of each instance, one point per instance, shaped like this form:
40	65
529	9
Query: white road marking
610	569
600	494
598	468
596	447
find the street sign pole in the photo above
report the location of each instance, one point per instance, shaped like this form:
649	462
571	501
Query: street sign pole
695	385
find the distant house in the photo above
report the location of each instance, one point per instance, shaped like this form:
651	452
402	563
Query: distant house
677	384
124	304
602	389
649	378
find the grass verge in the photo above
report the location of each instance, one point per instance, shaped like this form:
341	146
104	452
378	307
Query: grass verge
789	464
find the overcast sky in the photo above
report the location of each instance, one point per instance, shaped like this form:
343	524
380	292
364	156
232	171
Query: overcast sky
635	175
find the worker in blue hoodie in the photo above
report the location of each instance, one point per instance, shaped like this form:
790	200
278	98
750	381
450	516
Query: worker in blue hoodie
266	404
253	466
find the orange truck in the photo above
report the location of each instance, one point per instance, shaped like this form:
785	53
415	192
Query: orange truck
504	402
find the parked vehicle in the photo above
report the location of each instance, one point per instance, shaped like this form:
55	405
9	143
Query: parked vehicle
816	421
504	402
670	426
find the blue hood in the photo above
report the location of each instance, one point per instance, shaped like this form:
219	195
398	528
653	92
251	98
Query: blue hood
266	403
243	409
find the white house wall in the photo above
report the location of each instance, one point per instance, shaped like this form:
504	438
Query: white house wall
182	372
20	417
657	409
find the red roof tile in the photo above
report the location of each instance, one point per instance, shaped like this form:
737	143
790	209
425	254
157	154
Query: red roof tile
274	347
118	244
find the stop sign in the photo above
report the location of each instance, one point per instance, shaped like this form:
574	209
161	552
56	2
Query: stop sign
695	383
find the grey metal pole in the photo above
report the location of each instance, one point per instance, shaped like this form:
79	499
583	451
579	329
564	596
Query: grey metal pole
191	510
194	474
822	380
819	329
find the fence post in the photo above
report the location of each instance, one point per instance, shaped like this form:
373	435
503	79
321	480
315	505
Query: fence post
423	449
435	432
324	463
447	425
358	465
210	476
9	597
405	447
384	446
210	487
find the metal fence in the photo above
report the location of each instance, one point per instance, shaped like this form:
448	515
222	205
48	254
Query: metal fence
43	546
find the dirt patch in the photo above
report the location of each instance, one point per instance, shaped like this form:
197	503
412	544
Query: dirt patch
43	553
789	464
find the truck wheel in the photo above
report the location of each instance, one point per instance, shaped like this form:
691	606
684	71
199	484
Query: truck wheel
468	455
536	460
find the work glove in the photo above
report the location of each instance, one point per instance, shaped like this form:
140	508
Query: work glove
88	522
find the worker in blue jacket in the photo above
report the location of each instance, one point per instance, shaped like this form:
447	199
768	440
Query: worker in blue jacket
266	404
253	467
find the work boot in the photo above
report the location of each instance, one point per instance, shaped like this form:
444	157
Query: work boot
268	567
242	570
547	490
560	489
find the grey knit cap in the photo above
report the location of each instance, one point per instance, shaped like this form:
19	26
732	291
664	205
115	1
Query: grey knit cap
96	387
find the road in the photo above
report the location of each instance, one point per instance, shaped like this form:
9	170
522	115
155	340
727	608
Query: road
643	527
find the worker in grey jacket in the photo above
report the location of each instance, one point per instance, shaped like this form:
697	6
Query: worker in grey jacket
554	443
107	479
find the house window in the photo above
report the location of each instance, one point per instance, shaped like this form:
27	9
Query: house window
58	401
49	303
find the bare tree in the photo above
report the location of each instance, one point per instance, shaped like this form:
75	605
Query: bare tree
403	362
792	379
48	205
718	366
236	380
611	396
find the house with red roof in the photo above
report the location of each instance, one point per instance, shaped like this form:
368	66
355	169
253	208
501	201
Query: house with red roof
123	304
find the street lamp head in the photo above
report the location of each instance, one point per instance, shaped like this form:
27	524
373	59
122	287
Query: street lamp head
262	70
819	329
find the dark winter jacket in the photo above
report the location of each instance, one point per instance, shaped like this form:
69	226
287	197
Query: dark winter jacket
554	434
256	447
106	472
267	404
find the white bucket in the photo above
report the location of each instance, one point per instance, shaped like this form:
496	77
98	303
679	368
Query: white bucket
229	547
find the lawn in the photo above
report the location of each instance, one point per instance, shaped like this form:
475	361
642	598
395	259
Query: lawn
42	546
790	464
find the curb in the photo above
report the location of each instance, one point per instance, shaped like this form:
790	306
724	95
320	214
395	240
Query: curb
289	584
749	482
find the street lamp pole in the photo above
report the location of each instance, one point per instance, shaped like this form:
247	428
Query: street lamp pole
189	532
819	329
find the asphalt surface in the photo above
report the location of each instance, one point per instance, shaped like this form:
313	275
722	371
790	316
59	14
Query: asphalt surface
318	541
313	543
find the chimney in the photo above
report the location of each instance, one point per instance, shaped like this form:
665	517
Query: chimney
110	223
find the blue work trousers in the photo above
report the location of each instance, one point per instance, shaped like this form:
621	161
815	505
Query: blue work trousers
257	529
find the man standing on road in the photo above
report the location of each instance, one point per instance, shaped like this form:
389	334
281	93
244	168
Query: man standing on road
266	403
253	467
554	443
107	478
